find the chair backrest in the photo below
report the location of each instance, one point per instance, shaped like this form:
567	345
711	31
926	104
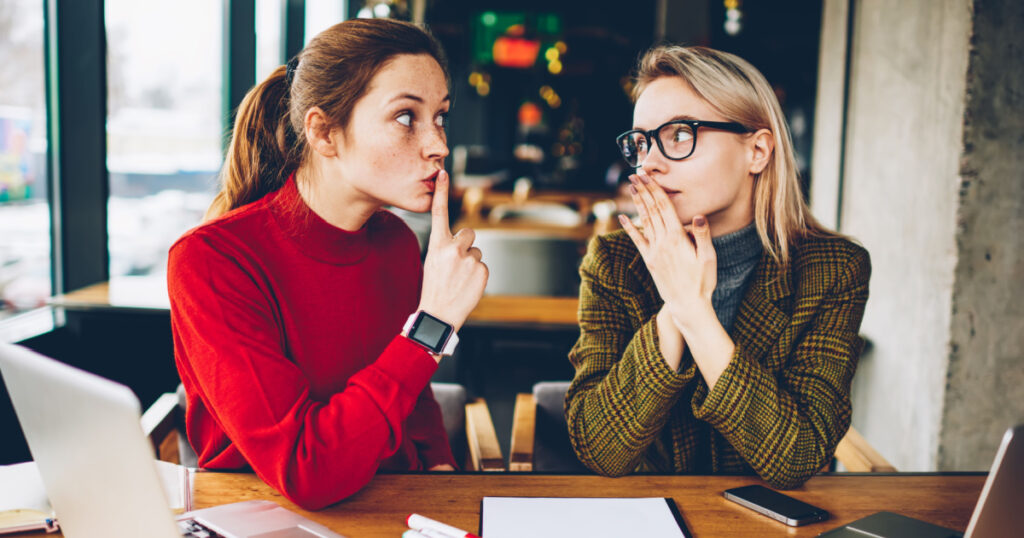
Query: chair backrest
452	399
552	451
529	263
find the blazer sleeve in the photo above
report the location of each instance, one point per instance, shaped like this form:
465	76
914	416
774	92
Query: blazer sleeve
226	334
787	427
623	390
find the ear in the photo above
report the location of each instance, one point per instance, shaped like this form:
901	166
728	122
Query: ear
319	134
762	144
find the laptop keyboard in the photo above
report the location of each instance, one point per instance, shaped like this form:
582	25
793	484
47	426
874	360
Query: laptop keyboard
194	529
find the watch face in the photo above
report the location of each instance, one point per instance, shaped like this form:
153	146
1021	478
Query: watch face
430	331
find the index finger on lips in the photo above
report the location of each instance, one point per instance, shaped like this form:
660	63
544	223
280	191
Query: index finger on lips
439	206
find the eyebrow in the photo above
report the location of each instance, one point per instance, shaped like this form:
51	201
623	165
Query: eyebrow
673	118
416	98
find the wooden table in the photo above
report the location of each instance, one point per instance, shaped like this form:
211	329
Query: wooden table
379	510
150	294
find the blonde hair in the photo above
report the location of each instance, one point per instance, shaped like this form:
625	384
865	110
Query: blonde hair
739	92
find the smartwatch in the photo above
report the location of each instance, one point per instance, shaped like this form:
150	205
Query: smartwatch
437	336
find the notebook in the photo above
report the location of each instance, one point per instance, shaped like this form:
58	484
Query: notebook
550	517
98	468
997	513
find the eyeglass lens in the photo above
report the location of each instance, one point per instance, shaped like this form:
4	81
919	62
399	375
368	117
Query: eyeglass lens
676	142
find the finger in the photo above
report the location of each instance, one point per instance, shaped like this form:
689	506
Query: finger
476	253
465	238
663	204
439	207
657	219
638	238
702	239
641	208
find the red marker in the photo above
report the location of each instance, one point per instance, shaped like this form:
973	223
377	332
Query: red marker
419	523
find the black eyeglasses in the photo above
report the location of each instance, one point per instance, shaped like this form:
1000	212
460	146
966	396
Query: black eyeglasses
676	139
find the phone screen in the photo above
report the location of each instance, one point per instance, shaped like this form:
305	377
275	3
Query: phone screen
777	503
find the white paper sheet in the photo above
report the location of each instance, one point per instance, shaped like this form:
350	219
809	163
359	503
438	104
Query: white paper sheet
546	517
21	486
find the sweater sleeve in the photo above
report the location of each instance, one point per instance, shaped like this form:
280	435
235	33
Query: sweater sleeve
230	347
623	391
787	427
426	429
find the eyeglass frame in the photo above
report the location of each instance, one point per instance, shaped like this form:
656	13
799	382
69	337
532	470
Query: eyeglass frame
729	126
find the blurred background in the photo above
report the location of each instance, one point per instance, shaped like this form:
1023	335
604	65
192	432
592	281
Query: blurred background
906	118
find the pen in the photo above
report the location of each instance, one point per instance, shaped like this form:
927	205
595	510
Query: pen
420	523
425	533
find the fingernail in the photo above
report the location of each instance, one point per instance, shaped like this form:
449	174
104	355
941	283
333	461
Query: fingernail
644	178
699	220
622	220
632	189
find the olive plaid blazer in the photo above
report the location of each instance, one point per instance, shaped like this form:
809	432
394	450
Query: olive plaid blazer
779	409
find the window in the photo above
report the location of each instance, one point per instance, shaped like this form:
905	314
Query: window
25	281
163	127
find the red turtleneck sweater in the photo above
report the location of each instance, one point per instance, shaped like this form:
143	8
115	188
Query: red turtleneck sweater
286	337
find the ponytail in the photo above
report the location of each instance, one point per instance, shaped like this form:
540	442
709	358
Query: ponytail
262	152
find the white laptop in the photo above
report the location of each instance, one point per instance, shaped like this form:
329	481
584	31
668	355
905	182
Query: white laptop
98	467
997	514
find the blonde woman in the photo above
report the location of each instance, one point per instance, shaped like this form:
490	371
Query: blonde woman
721	334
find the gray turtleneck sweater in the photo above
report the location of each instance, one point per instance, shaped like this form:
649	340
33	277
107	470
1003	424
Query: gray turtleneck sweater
738	254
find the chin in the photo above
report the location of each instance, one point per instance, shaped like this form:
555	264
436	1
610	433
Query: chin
420	204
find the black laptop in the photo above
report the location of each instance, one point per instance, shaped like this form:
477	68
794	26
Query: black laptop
997	514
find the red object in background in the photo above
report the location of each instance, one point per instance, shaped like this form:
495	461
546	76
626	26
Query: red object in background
515	51
529	114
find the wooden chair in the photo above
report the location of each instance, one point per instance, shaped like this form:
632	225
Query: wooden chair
853	451
858	456
467	423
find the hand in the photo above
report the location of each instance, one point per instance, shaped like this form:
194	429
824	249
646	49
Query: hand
453	275
684	269
442	467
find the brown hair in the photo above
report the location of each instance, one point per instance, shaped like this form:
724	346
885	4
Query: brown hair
738	91
333	72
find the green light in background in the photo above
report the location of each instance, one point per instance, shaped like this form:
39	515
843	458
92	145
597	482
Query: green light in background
488	18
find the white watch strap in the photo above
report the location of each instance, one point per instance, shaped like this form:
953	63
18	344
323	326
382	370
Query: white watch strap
449	346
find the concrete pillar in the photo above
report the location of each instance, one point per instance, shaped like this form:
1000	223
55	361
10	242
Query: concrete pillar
932	186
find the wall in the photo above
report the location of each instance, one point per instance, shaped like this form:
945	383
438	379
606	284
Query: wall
899	198
985	383
932	184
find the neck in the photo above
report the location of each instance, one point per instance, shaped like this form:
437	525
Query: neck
736	217
334	199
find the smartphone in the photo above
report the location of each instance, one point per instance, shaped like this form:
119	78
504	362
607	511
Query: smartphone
776	505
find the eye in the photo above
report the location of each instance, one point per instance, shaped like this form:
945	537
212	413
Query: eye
682	134
441	120
405	118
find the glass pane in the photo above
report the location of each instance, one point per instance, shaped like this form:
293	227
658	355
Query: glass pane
322	14
24	210
163	125
268	37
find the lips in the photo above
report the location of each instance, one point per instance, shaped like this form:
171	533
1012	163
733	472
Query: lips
431	181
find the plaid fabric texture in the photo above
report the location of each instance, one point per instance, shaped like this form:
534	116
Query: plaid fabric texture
781	405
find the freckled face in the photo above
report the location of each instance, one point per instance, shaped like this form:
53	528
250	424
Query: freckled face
395	141
714	181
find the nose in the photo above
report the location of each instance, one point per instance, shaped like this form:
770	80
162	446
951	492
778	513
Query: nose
654	161
435	146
